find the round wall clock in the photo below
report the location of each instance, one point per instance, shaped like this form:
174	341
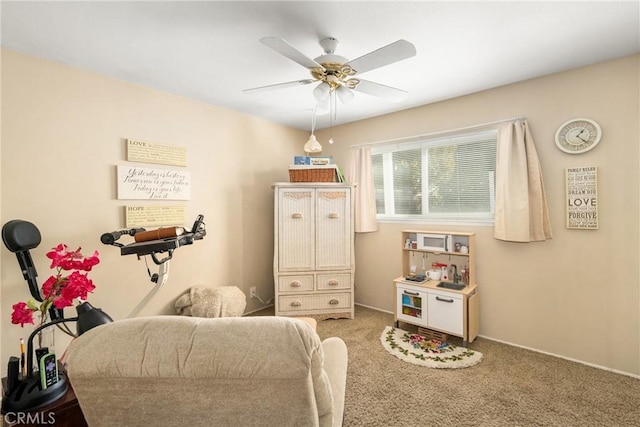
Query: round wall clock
578	136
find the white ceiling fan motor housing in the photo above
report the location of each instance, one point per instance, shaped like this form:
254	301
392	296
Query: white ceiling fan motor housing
329	46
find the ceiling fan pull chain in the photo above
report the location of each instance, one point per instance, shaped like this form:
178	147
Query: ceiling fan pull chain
332	111
313	118
334	105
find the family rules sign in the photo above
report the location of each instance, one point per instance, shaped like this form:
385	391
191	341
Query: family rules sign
582	198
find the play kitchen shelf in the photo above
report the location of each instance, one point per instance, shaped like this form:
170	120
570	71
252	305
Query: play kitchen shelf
438	289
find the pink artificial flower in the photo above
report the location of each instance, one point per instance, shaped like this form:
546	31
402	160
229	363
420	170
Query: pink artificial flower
48	287
21	314
77	285
62	258
58	290
62	302
88	263
57	255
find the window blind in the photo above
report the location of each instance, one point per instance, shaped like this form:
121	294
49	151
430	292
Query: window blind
447	178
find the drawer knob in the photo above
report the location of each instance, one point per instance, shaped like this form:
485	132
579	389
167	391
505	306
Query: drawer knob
334	302
296	216
333	215
296	303
295	284
333	282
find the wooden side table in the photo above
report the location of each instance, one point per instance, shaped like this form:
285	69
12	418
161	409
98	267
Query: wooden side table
64	412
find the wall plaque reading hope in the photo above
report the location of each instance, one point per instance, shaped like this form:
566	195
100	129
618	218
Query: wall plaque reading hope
154	216
136	183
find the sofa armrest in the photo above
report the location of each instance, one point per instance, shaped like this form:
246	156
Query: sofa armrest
310	320
335	365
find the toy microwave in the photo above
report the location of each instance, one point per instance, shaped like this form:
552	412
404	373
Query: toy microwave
434	242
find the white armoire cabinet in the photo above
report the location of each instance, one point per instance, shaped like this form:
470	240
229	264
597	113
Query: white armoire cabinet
313	251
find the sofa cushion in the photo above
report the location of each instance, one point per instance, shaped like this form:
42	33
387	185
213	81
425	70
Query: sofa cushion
198	371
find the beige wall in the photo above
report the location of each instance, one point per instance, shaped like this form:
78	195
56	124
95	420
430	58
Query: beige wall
578	295
1	310
62	134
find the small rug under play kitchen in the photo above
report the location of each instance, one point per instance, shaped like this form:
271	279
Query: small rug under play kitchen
416	349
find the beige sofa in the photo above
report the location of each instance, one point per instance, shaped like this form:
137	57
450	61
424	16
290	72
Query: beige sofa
186	371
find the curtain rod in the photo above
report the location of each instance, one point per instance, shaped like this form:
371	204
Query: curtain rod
432	134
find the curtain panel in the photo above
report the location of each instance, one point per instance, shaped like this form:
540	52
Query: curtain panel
361	175
521	212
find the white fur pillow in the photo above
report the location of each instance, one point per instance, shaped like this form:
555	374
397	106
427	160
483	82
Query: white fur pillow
223	301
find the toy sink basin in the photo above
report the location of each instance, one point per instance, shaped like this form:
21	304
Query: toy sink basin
449	285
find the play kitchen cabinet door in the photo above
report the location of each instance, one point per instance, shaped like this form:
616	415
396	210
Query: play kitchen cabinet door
411	305
444	312
430	309
313	253
451	312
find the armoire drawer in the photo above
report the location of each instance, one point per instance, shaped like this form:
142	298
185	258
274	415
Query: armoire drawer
295	303
325	282
295	283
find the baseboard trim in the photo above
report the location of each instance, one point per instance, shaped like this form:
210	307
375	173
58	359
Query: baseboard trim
582	362
257	309
374	308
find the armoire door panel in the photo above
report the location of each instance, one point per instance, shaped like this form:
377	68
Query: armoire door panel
333	229
296	250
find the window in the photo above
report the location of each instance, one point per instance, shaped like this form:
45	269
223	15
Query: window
445	179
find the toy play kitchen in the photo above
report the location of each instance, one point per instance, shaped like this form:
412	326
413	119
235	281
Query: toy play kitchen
438	289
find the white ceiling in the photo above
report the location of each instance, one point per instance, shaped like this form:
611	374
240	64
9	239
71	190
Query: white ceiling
210	51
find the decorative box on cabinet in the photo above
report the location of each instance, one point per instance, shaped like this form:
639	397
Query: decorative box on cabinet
424	304
313	250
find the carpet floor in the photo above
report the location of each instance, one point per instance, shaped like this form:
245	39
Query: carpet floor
509	387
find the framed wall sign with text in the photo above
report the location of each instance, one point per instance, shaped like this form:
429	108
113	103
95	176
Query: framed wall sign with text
151	152
582	197
137	183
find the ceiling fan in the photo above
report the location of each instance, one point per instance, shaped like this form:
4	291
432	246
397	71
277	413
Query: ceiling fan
336	74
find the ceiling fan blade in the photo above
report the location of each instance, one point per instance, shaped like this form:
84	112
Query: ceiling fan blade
279	86
386	55
381	91
284	48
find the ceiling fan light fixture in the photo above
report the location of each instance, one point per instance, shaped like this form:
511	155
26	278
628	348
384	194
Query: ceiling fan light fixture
331	59
345	94
321	92
335	74
312	145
